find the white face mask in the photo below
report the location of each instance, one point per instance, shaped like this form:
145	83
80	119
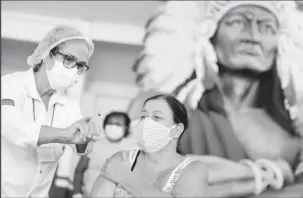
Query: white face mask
60	77
151	135
114	132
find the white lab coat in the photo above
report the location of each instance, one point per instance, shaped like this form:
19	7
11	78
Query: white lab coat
28	169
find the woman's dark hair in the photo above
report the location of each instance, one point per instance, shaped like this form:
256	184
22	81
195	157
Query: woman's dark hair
120	114
178	109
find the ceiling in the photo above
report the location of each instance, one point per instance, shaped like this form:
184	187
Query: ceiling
119	12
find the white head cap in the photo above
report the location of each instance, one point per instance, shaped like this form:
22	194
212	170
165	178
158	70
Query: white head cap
53	38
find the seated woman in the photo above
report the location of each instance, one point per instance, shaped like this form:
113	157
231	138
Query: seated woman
163	121
158	170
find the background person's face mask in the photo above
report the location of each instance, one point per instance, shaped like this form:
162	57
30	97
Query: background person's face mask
152	136
60	77
114	132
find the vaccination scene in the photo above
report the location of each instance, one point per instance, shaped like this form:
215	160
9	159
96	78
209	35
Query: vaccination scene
156	99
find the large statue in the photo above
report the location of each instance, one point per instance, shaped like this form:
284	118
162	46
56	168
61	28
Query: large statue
236	65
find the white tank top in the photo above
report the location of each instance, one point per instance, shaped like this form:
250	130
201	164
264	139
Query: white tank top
120	192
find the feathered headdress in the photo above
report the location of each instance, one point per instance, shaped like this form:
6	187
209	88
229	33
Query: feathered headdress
177	49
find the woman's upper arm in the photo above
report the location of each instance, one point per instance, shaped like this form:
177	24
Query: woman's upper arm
103	188
193	181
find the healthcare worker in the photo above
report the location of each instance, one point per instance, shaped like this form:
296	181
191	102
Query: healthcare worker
38	119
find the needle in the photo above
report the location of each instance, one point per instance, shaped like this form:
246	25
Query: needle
99	119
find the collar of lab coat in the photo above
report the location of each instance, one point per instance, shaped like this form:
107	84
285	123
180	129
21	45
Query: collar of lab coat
31	88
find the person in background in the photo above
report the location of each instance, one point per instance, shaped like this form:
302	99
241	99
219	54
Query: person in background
38	118
116	126
117	137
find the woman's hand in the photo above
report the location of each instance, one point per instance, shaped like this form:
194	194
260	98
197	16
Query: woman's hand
116	168
111	174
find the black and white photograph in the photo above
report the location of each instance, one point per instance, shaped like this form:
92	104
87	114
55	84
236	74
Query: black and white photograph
131	99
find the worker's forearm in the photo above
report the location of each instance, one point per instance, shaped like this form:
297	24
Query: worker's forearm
52	135
141	189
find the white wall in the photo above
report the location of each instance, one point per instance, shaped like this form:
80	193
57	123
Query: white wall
110	21
111	79
133	13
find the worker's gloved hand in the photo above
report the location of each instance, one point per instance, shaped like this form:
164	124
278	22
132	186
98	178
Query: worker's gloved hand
82	132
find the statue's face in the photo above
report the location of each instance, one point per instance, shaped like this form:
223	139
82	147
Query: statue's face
247	38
